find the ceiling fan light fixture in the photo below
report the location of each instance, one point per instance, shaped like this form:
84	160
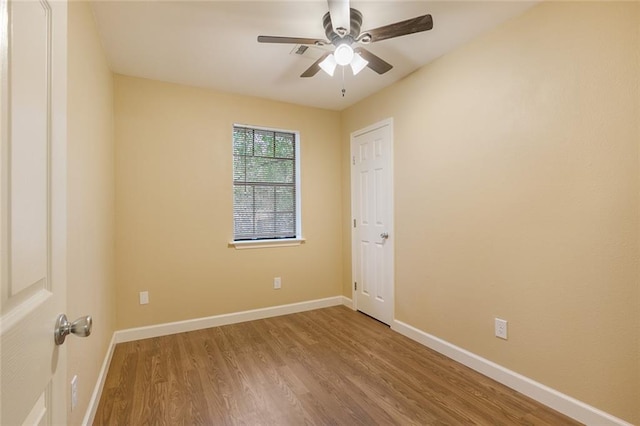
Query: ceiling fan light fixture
343	54
329	65
358	63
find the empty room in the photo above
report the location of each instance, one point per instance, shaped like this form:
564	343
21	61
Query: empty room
320	212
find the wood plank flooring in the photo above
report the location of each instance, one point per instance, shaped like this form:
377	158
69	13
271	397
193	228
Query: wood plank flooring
328	366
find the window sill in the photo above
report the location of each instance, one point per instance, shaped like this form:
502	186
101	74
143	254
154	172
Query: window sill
253	244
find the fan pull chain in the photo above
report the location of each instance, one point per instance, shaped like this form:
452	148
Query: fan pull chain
343	89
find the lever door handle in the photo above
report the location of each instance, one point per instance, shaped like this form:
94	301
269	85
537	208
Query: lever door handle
80	327
384	235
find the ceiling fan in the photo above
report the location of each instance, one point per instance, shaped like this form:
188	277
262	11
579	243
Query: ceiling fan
342	28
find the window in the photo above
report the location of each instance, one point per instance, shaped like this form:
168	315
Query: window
265	184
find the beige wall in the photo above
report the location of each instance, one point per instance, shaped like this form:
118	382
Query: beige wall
516	185
91	227
174	205
516	196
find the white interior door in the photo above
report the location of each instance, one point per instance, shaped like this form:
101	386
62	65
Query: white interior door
33	90
372	210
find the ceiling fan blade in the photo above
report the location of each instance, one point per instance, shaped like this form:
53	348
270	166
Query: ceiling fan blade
375	63
410	26
313	69
291	40
340	15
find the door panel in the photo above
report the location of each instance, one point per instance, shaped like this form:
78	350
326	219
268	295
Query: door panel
363	261
372	209
29	73
378	264
33	219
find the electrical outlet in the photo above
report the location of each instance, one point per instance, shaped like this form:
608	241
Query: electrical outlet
74	392
144	297
277	283
501	328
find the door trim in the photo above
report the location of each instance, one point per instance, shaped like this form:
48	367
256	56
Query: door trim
386	122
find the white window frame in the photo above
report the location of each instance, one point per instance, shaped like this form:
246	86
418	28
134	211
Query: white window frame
278	242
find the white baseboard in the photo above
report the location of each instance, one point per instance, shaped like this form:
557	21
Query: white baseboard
347	302
97	390
224	319
558	401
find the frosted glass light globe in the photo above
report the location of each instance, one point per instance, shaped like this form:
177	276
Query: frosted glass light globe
343	54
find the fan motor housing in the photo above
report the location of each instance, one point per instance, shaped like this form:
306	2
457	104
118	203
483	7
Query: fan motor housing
334	37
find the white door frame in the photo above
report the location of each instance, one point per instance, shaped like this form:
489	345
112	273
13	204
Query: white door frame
354	296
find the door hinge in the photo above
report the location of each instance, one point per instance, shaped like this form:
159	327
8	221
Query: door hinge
354	223
353	159
355	285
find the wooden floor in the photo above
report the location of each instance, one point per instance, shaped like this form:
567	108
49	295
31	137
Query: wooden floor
329	366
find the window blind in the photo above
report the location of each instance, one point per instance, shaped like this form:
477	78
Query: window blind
264	184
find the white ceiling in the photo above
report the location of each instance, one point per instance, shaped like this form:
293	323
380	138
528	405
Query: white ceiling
213	43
